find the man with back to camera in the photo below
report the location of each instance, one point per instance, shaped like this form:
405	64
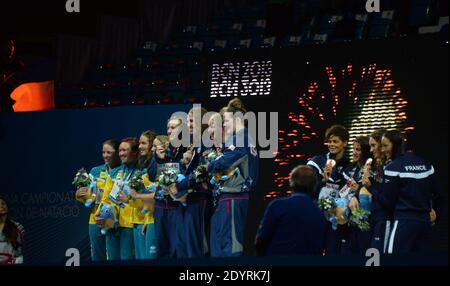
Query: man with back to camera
294	225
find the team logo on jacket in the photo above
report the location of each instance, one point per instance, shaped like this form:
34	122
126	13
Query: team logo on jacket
416	168
253	151
232	147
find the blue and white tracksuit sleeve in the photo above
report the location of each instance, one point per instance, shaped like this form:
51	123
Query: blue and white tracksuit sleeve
387	192
317	163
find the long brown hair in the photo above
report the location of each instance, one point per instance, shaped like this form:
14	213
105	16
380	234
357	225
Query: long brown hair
363	141
10	229
379	162
144	161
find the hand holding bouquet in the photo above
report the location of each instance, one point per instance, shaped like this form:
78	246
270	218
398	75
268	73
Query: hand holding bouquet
167	177
86	187
201	175
360	219
327	204
166	183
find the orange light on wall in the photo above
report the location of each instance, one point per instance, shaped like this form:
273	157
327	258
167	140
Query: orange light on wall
35	96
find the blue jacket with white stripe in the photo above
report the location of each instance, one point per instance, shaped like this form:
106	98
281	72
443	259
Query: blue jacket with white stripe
336	178
408	187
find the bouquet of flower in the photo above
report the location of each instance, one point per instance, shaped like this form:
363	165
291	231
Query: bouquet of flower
166	181
335	207
327	204
201	174
360	219
167	177
110	215
82	180
137	183
212	156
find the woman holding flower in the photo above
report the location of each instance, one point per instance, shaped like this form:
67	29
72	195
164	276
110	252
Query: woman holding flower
144	229
239	164
371	180
353	174
166	216
110	154
121	242
329	170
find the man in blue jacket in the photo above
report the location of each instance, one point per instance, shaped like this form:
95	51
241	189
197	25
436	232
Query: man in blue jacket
295	225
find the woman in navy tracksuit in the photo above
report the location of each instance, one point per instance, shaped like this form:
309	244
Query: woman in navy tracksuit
239	163
166	216
380	219
195	213
408	187
353	175
337	241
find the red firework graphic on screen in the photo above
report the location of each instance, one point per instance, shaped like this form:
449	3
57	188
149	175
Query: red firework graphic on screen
362	100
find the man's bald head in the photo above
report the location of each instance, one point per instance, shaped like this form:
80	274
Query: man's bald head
302	179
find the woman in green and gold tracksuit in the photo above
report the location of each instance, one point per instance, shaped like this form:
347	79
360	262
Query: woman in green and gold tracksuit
142	203
120	242
110	154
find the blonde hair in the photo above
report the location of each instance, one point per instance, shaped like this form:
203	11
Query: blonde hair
180	121
164	139
235	105
214	118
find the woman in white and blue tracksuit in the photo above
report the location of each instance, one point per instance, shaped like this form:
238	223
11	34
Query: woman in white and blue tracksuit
240	163
408	187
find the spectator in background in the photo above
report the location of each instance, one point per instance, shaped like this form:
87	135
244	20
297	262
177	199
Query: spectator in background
10	66
295	225
11	237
